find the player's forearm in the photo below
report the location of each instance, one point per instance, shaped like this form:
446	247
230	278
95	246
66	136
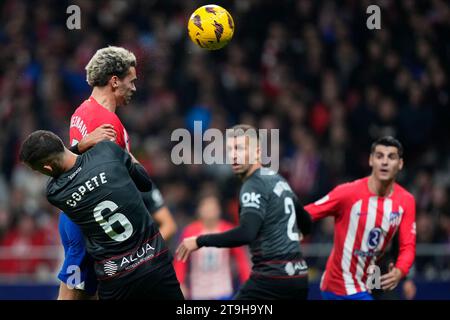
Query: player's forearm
65	293
304	221
245	233
167	225
406	258
229	239
407	242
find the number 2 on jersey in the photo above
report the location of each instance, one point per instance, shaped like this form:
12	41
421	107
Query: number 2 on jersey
289	208
117	217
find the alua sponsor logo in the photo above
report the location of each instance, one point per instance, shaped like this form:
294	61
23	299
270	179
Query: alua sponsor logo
142	252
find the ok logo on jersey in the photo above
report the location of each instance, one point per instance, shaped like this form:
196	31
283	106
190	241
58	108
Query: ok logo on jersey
251	200
374	238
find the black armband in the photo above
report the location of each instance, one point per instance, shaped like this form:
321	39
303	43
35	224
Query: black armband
74	149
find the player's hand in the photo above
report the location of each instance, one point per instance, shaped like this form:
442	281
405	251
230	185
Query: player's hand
186	247
409	289
184	290
390	280
104	132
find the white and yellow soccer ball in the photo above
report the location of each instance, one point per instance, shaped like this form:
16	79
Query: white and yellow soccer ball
211	27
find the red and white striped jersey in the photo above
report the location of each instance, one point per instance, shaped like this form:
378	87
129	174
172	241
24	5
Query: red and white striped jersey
364	225
208	273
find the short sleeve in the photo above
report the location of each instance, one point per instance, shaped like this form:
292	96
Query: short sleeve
328	205
153	200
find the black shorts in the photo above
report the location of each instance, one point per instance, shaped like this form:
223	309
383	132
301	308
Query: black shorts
259	288
161	284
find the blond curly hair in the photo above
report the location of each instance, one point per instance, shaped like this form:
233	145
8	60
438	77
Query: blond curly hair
108	62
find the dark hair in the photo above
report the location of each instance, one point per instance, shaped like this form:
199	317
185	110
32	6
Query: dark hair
41	147
388	141
242	129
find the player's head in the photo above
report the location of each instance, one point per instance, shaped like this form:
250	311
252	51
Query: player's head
243	148
208	208
386	158
114	67
43	151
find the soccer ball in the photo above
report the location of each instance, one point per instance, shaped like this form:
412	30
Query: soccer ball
211	27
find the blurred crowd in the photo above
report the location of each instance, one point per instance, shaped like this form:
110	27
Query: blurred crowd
310	68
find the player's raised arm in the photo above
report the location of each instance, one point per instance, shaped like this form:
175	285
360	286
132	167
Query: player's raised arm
326	206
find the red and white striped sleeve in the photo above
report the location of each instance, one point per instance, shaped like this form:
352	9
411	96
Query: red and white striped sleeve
407	238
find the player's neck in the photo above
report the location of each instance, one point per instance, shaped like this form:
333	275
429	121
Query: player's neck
381	188
69	161
252	169
105	98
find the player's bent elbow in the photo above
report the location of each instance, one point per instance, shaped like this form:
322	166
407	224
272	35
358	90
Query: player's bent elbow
168	226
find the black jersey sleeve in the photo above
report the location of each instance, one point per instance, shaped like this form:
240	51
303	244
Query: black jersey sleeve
243	234
153	200
304	222
253	198
136	171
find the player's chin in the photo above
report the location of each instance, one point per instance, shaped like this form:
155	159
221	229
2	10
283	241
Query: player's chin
385	176
127	100
238	170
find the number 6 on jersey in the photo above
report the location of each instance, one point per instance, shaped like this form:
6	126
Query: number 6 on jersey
117	217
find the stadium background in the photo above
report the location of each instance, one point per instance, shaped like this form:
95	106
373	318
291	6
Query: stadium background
310	68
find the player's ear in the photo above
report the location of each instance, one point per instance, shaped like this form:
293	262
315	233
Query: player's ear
114	82
400	164
371	160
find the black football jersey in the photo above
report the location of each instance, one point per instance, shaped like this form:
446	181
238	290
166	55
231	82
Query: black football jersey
100	194
276	250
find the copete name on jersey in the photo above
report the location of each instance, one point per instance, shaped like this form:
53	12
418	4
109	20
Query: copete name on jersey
85	188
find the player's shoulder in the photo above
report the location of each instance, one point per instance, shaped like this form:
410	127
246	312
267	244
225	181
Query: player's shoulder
105	145
104	150
403	193
263	178
84	107
352	187
89	108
